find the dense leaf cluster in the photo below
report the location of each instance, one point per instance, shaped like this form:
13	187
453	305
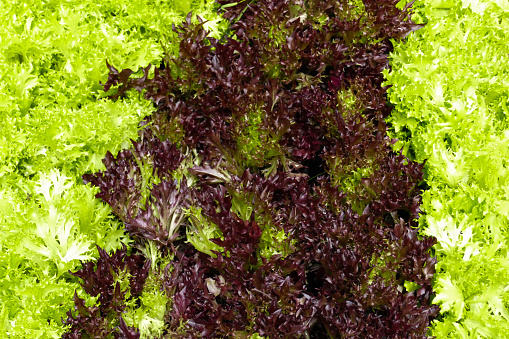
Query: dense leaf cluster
113	279
53	128
267	174
451	107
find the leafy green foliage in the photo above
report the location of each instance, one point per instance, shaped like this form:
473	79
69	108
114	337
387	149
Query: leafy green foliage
200	232
42	237
55	126
450	101
148	317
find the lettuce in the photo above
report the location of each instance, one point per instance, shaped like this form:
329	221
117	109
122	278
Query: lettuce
241	181
55	126
450	107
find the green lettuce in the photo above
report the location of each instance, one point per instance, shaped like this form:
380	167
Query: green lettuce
54	127
450	92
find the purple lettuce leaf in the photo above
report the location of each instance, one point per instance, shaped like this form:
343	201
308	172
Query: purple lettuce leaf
100	280
163	214
279	152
